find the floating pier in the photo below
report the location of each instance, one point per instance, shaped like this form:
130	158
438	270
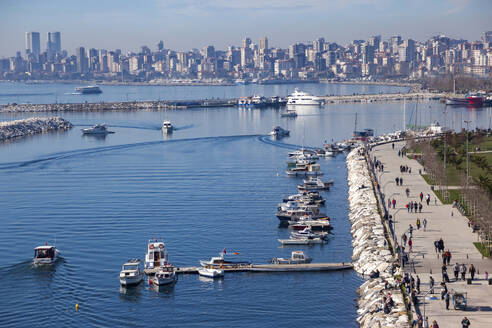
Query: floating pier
307	267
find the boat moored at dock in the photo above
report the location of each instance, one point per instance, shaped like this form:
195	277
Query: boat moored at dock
303	98
156	256
297	257
131	273
165	276
210	272
219	262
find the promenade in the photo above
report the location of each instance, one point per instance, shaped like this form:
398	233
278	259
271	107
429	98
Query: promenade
443	221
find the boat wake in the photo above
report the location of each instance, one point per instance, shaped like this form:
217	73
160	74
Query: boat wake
96	150
268	140
184	127
26	94
149	127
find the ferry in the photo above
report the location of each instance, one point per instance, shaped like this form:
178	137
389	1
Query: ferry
91	89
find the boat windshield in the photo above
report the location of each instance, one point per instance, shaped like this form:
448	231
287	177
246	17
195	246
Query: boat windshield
43	253
130	267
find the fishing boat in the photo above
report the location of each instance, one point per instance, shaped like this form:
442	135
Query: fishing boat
156	256
210	273
296	257
165	276
99	129
131	273
219	262
46	254
167	127
279	132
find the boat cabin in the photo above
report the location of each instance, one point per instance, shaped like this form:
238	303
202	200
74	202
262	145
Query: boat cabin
156	255
44	252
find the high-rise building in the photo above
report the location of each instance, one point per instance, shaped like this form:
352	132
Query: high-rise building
160	46
81	60
33	44
246	43
53	44
374	41
319	45
367	53
264	45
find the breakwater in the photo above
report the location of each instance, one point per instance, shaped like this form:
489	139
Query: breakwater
21	128
371	252
384	97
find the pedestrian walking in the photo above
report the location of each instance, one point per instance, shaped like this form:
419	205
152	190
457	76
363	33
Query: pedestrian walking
441	245
463	271
431	284
399	153
420	207
401	181
446	299
434	324
418	284
404	238
443	256
397	180
418	224
425	224
410	243
465	323
436	246
448	257
389	203
427	199
393	202
472	271
456	270
421	196
393	145
407	191
408	208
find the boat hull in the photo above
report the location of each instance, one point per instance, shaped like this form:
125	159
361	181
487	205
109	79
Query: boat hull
210	273
304	241
131	281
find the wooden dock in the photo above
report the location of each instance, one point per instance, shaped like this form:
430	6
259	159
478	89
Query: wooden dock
308	267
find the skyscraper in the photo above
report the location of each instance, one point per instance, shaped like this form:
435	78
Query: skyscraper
319	45
264	45
33	44
81	60
54	44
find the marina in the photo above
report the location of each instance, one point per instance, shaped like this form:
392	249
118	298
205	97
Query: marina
306	267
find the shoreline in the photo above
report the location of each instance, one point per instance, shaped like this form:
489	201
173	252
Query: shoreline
10	130
371	250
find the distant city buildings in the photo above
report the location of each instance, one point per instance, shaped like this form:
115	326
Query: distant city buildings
319	59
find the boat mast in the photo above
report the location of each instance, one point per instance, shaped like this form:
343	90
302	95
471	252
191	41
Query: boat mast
355	126
404	116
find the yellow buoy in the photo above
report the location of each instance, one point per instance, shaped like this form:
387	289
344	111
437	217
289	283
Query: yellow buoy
77	307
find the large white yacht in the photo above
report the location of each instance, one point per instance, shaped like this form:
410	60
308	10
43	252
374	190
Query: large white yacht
303	98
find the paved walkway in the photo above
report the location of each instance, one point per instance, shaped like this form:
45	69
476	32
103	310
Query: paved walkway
444	222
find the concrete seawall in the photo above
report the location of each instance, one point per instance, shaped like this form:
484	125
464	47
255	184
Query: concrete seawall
371	251
30	126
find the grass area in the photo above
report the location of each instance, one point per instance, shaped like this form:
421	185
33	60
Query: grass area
428	179
485	251
453	177
453	194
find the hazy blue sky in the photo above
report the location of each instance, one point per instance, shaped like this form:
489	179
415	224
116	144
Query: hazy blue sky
185	24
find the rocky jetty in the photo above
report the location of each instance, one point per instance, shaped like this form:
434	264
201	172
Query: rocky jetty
21	128
371	253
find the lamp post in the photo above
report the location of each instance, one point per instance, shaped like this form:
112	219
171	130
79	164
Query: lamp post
467	155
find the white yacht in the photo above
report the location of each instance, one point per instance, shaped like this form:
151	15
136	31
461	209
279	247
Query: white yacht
167	127
46	254
165	276
131	273
156	256
210	272
279	132
303	98
99	129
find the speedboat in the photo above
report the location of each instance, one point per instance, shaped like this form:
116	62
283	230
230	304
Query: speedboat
305	170
97	129
308	233
167	127
211	273
297	257
319	224
156	256
131	274
165	276
46	254
314	184
289	114
219	262
279	132
303	98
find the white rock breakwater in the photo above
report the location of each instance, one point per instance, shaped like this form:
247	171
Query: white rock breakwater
371	252
21	128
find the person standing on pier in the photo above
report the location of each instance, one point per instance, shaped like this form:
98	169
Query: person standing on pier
418	224
456	270
472	271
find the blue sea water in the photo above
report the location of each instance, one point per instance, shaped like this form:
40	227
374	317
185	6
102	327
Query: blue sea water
214	183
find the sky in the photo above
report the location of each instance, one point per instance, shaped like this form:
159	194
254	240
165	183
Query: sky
187	24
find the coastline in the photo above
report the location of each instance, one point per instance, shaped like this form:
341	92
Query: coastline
371	251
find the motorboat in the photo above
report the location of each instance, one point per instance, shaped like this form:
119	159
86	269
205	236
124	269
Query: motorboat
165	276
308	233
301	152
167	127
304	170
91	89
99	129
289	114
131	273
279	132
293	215
307	197
297	257
314	184
156	256
210	272
46	254
318	224
474	100
219	262
303	98
301	241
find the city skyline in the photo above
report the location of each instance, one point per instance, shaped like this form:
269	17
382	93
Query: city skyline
111	24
